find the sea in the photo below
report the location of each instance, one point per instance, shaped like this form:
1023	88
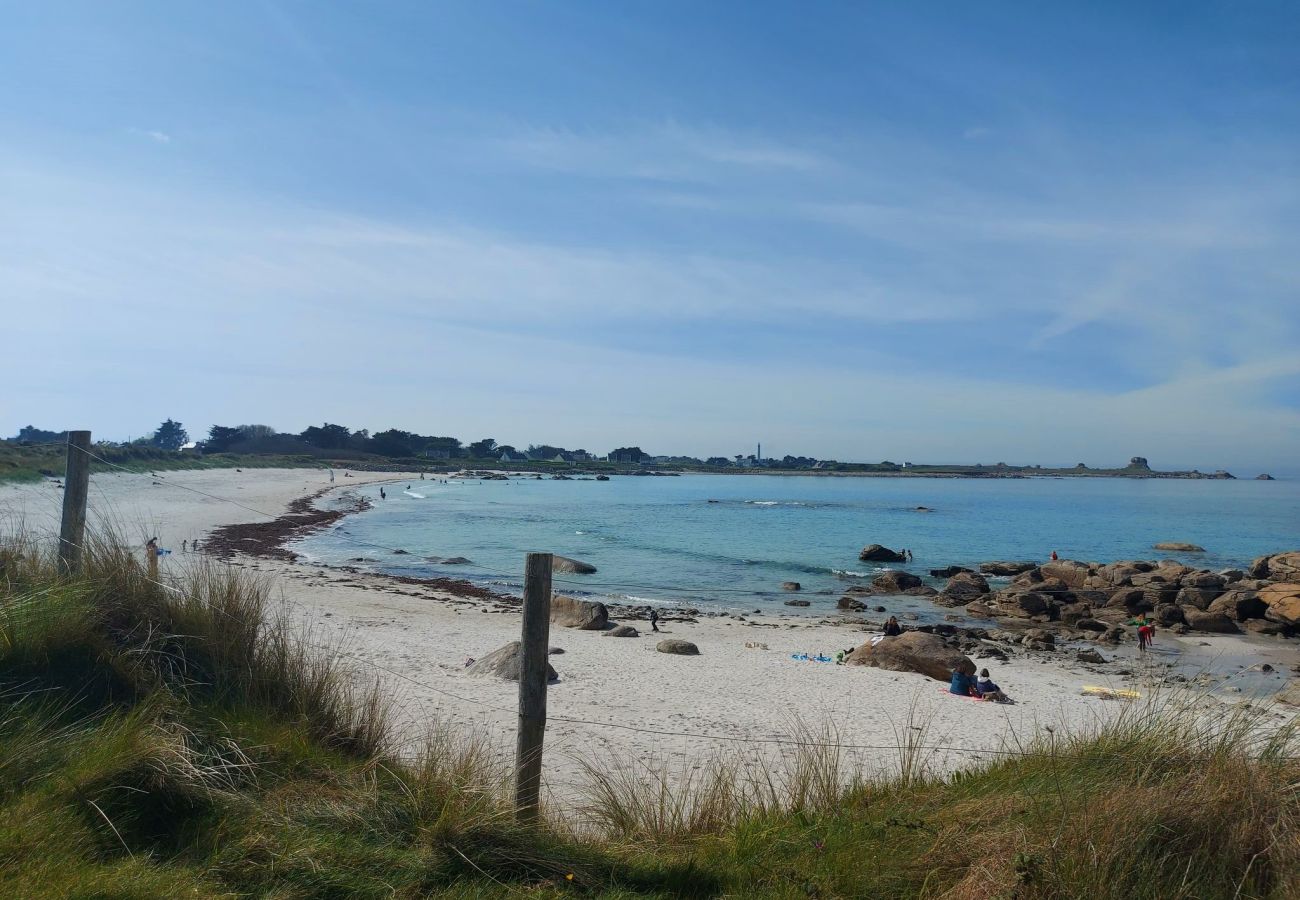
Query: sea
729	542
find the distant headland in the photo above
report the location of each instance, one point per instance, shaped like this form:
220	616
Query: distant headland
35	452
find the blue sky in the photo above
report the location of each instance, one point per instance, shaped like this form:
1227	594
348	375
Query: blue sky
926	231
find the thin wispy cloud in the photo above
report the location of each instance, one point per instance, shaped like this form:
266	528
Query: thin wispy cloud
158	137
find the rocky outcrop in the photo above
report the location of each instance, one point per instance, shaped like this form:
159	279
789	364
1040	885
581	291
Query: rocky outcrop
913	651
1178	547
798	603
877	553
1004	567
677	647
1278	567
791	586
894	582
570	612
1264	476
948	571
571	566
1204	620
504	663
850	604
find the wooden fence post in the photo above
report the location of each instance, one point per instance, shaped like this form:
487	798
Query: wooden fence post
76	488
533	650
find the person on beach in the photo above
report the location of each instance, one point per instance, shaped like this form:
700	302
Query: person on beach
382	495
194	545
1054	557
1146	631
892	628
654	620
962	685
988	690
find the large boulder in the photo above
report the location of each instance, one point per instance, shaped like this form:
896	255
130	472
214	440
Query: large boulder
1240	605
1283	602
621	631
877	553
571	612
678	648
1278	566
1179	547
1201	598
1204	620
1023	606
913	651
850	604
1005	567
571	566
948	571
1071	571
504	663
894	582
964	587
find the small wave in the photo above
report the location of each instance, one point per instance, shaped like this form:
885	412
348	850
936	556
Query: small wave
849	573
413	494
763	502
580	532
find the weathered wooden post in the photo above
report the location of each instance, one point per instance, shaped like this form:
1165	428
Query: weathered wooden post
533	649
76	488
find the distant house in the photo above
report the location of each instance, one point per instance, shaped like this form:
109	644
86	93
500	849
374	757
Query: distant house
437	453
191	449
507	456
625	456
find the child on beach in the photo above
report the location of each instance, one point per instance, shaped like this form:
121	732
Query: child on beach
1146	631
892	628
988	690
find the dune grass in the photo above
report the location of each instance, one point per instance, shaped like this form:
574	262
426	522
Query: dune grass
190	741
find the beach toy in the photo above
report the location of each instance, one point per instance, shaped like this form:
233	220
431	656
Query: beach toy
798	655
821	657
1110	693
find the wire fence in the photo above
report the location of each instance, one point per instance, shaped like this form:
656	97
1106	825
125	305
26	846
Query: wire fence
479	704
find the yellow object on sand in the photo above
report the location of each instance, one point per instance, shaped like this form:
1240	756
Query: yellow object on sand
1110	692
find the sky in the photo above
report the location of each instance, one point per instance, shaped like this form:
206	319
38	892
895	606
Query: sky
933	232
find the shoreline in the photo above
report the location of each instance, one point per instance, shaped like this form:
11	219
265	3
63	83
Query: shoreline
744	685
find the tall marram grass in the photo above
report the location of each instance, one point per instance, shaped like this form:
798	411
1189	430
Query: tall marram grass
188	739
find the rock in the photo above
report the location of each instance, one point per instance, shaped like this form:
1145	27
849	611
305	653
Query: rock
921	590
1178	547
791	586
1167	614
850	604
1203	620
680	648
877	553
1240	605
1004	567
966	586
1201	598
882	609
400	552
571	566
1091	625
895	582
980	609
913	651
1263	626
1112	635
1023	605
554	651
1070	571
622	631
1283	602
1090	656
1203	580
1232	576
457	561
948	571
1278	567
504	663
570	612
858	589
1039	636
798	603
1118	574
1263	476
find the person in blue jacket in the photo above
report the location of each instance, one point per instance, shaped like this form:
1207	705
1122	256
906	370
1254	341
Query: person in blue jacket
962	685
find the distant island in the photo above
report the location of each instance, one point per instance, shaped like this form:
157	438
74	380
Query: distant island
35	453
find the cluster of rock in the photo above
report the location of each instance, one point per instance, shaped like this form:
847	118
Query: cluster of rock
1098	599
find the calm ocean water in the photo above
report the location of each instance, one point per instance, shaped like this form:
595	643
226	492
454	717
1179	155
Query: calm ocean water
661	539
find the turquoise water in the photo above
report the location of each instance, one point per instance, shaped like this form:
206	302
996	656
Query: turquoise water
661	539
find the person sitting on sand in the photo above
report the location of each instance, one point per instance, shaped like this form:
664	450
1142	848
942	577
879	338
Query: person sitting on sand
987	689
962	685
892	628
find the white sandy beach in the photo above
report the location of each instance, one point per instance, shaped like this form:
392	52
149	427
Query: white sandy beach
421	639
